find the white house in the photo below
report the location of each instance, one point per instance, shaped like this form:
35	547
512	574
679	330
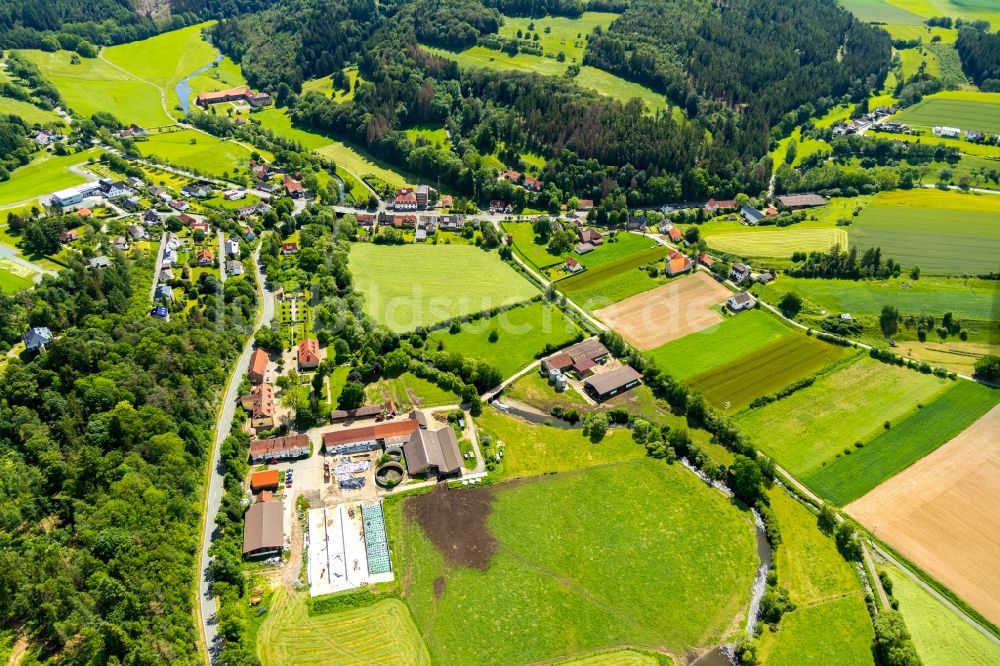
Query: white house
741	301
947	132
739	272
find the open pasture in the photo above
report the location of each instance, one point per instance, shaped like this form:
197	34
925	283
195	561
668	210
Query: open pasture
830	624
166	58
941	637
525	244
28	112
941	514
45	174
894	450
814	426
94	85
197	151
433	134
523	332
781	243
418	285
734	338
614	281
734	385
565	35
942	232
383	633
490	584
618	251
595	79
967	110
669	312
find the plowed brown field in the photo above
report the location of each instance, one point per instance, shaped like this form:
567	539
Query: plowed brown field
943	513
669	312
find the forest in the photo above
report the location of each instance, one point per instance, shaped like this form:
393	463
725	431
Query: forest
980	54
103	439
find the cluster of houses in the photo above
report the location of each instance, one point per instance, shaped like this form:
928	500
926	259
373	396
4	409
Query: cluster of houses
974	136
420	197
521	180
752	216
862	123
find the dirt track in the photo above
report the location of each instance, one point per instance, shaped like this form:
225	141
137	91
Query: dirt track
669	312
456	523
943	513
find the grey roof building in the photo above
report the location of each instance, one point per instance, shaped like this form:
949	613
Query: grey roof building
36	338
430	451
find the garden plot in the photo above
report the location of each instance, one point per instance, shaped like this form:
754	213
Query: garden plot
669	312
941	514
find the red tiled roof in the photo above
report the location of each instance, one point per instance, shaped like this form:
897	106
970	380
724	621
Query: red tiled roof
266	479
308	351
260	448
386	430
291	185
258	362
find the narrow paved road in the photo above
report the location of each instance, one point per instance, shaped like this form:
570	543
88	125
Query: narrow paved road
158	266
216	474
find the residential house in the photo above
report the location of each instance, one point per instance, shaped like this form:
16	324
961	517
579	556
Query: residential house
716	205
166	275
114	189
404	221
200	226
169	257
151	218
450	222
308	354
765	278
289	248
163	293
266	480
135	182
69	236
405	201
532	184
85	213
131	203
511	176
741	301
974	135
234	267
446	202
676	263
258	366
234	195
751	215
670	231
706	260
232	247
100	262
947	132
160	312
572	265
585	204
636	223
606	385
179	204
187	220
36	338
278	448
173	241
205	257
196	191
260	403
739	273
366	219
498	207
293	188
119	243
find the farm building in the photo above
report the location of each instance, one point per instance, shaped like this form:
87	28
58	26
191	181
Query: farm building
293	188
741	301
368	438
293	446
584	248
432	452
609	384
591	236
363	412
258	365
799	201
263	529
714	205
308	353
266	480
419	417
244	94
706	260
580	357
751	215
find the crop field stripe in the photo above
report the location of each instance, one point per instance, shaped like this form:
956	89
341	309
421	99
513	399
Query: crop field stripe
891	452
593	276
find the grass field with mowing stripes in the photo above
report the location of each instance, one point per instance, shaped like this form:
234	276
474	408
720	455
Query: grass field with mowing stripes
814	426
523	333
964	109
600	584
778	243
418	285
597	287
734	338
894	450
735	384
830	625
942	232
383	633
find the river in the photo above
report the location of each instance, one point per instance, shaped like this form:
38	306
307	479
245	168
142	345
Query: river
183	89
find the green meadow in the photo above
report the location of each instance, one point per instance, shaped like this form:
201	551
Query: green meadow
816	426
881	11
734	338
45	174
942	232
830	624
12	277
941	637
967	110
913	12
599	585
419	285
196	150
166	58
523	332
434	135
895	449
565	35
28	112
94	85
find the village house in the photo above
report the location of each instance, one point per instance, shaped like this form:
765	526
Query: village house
160	312
293	188
114	189
265	480
751	215
308	354
234	195
166	275
179	204
585	204
706	260
289	248
446	201
196	191
670	231
232	247
498	207
716	205
739	273
36	338
205	257
260	403
591	236
365	219
243	94
532	184
163	293
947	132
100	262
151	218
203	227
741	301
676	263
572	265
450	222
636	223
234	267
405	199
404	221
119	243
258	366
764	278
69	236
